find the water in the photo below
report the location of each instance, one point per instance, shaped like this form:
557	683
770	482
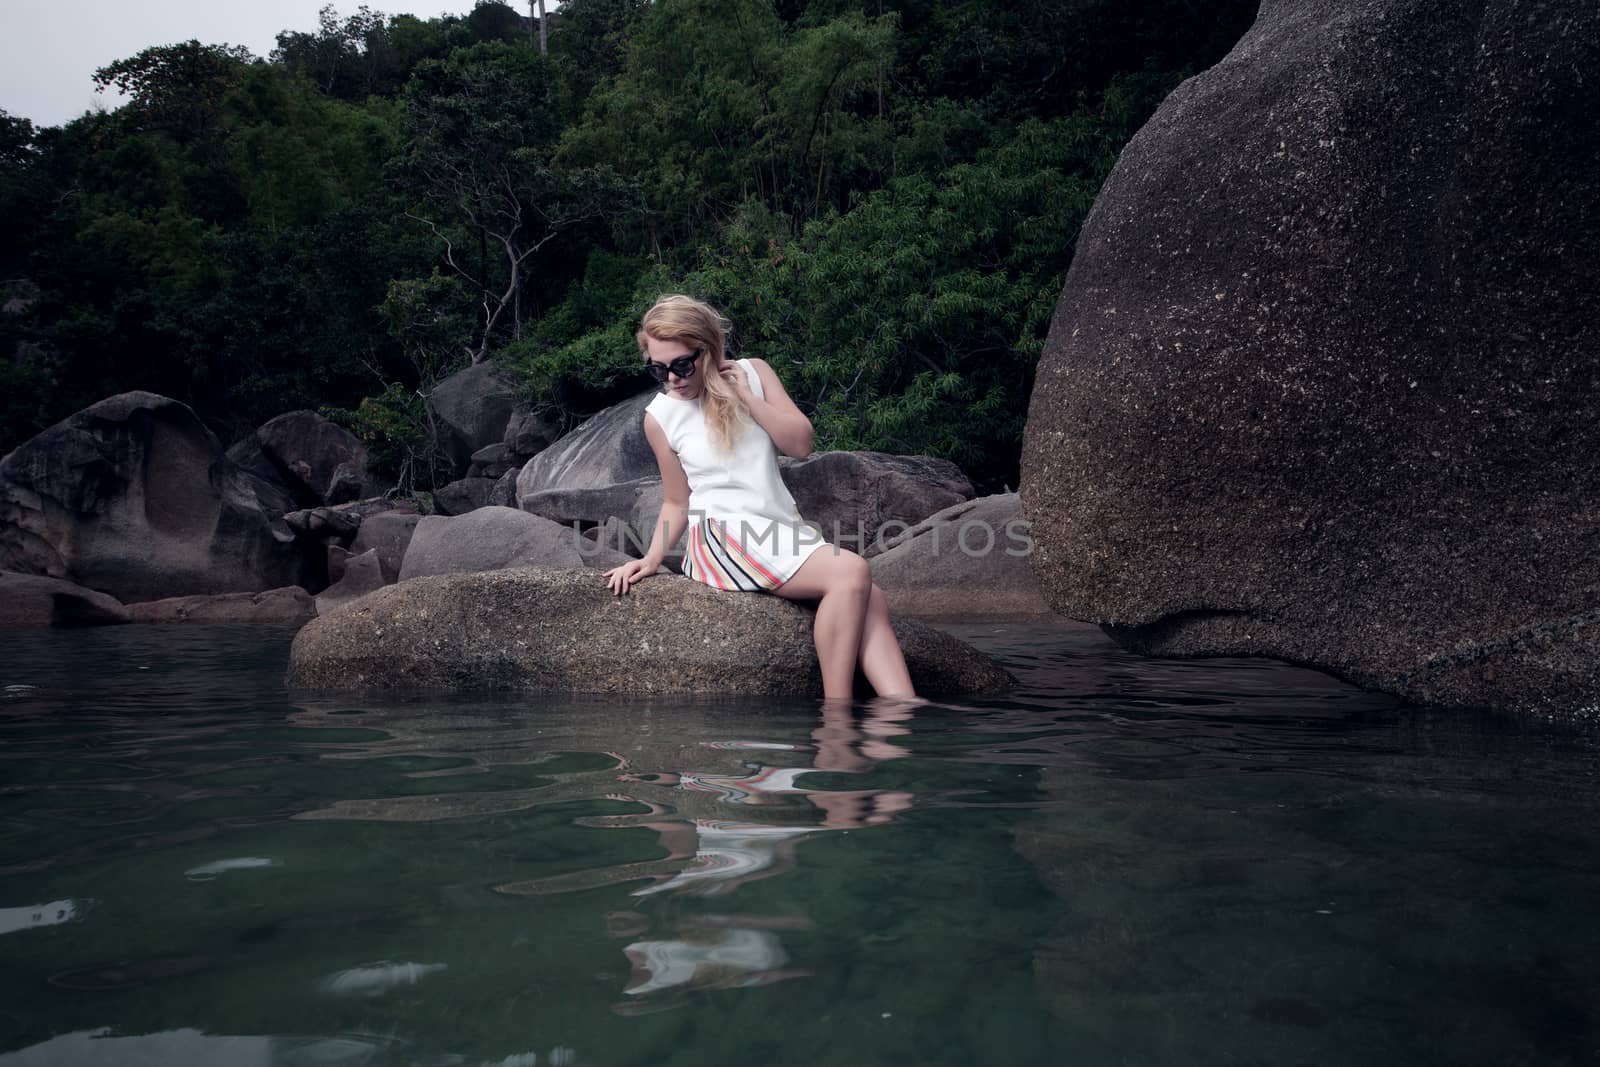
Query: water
1125	861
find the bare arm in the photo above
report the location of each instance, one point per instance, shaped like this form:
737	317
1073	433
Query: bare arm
786	424
674	494
673	518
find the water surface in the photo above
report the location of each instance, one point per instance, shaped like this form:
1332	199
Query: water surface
1125	861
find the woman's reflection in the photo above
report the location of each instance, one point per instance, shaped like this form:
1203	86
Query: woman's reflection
727	827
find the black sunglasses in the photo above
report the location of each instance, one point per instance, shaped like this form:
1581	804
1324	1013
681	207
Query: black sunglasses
683	366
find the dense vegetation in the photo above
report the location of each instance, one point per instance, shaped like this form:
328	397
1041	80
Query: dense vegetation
883	194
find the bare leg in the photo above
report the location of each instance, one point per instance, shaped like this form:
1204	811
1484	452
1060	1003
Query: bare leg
881	659
840	583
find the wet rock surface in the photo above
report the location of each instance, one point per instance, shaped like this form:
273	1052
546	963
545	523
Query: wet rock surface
30	601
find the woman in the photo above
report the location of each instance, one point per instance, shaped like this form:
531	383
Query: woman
715	430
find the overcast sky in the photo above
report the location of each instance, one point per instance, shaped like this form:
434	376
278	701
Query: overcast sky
50	49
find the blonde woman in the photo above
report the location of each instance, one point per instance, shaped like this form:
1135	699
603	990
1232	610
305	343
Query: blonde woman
716	430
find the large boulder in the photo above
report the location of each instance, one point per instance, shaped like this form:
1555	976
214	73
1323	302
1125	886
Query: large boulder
562	629
133	496
1322	382
860	499
969	561
494	538
317	461
604	450
28	601
474	407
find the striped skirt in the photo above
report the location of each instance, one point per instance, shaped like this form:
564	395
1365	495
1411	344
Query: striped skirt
717	557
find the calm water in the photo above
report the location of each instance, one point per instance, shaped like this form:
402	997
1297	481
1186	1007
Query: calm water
1123	862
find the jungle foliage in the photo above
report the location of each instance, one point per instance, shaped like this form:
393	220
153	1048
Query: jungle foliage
883	196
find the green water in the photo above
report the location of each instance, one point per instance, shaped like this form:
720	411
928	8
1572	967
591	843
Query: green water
1125	861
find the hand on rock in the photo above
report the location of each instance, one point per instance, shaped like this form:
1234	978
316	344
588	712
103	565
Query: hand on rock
620	579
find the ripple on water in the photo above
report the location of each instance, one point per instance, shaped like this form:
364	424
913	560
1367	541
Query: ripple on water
1123	861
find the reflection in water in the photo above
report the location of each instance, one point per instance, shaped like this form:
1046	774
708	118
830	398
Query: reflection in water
707	855
207	871
188	1048
34	915
377	978
1123	861
721	958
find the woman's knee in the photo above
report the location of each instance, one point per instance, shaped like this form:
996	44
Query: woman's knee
853	575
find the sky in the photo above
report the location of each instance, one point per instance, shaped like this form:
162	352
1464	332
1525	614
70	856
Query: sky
50	49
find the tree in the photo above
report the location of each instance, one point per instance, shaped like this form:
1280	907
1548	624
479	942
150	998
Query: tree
479	131
177	88
342	58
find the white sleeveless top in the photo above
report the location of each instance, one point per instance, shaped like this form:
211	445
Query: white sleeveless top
745	531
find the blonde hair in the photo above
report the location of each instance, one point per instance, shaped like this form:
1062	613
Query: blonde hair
697	324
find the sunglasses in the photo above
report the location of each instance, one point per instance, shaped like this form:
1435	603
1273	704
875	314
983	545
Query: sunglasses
683	366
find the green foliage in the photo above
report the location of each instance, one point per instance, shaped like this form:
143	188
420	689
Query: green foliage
396	428
176	88
884	197
720	102
583	354
478	132
912	322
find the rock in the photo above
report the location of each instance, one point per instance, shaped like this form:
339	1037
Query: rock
318	461
495	538
351	483
134	497
362	574
337	525
619	535
1321	384
388	533
29	600
274	498
463	495
289	606
504	493
969	561
491	461
607	449
338	557
529	432
474	407
632	505
852	496
562	629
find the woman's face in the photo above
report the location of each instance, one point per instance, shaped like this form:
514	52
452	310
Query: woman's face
664	352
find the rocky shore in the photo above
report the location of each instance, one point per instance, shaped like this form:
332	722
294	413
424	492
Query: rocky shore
132	511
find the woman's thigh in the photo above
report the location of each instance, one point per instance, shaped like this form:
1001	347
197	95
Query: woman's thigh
827	569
